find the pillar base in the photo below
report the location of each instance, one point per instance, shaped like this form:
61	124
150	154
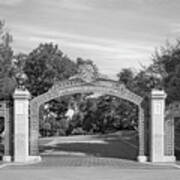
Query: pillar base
7	158
170	159
29	159
164	159
142	158
34	158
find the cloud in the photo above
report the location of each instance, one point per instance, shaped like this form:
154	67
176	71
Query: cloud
10	2
94	45
107	57
109	54
76	5
175	28
40	34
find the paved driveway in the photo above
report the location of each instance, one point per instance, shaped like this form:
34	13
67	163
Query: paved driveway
88	168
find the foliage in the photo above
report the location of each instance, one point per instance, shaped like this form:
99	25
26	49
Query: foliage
117	114
141	84
126	76
45	65
52	120
78	131
166	65
101	115
7	82
81	61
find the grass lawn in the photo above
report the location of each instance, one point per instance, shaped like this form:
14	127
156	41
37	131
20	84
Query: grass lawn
122	144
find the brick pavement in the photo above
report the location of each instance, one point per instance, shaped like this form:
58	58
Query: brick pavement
73	161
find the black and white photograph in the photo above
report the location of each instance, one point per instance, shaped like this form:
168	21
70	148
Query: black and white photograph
89	89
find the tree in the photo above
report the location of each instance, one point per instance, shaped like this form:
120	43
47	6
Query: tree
166	65
45	65
126	76
81	61
7	81
141	84
116	113
172	85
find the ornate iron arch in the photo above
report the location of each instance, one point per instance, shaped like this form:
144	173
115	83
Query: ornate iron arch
86	81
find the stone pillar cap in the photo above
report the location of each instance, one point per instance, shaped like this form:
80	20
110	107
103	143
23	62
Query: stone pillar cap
156	93
21	94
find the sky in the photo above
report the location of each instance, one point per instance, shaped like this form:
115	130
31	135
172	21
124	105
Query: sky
115	34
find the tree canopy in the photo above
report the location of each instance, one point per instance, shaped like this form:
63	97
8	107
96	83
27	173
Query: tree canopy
7	81
166	66
45	65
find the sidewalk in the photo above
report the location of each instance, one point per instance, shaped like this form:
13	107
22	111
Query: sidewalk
88	168
89	173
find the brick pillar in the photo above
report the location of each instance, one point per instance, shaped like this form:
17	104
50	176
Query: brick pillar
141	157
157	127
21	126
34	128
8	139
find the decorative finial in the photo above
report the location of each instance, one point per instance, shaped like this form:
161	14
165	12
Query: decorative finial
21	79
